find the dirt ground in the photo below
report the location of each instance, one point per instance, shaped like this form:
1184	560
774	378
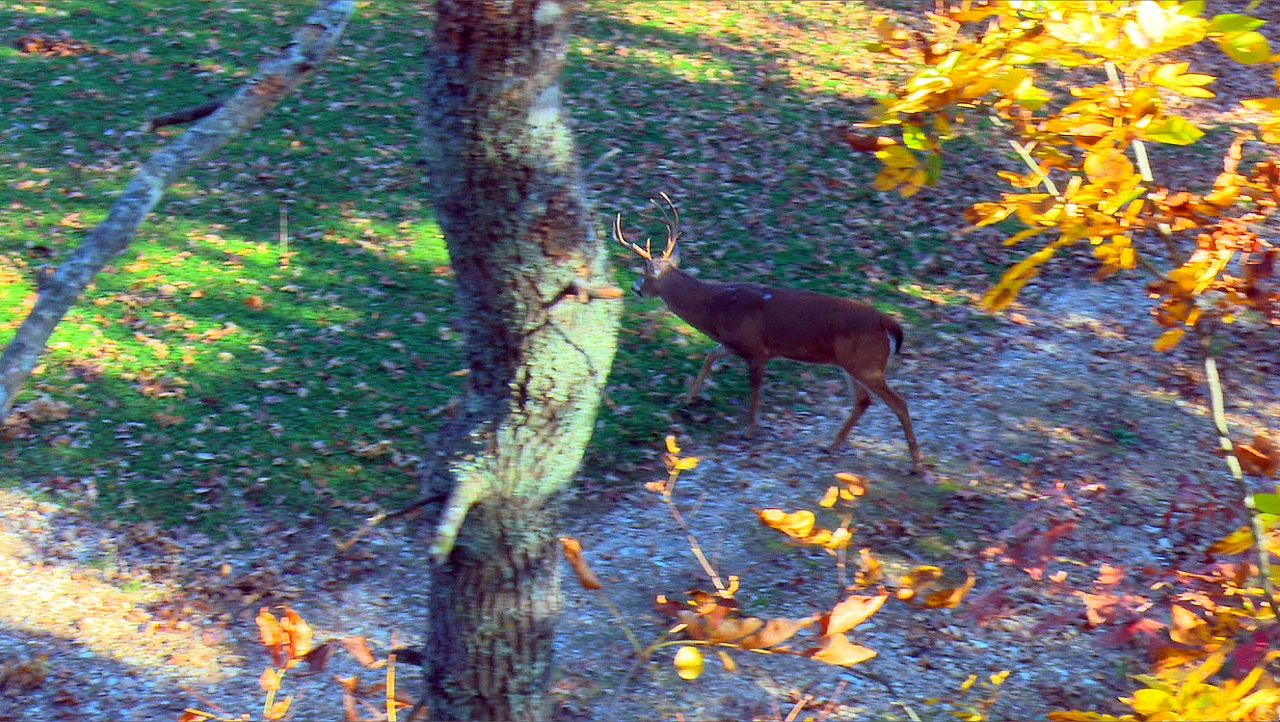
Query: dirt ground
1066	458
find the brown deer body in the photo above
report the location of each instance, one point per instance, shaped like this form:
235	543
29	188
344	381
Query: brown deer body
759	323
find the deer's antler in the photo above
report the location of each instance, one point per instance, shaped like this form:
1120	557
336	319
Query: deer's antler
670	220
672	223
617	234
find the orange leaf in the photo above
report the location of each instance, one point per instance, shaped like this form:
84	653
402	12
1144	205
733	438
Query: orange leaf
573	554
730	629
298	632
1186	627
851	612
729	665
269	629
870	570
1109	575
867	143
350	685
1259	457
948	597
270	680
838	650
927	586
775	632
359	649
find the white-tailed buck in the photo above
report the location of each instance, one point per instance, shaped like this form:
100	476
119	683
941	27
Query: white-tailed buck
759	323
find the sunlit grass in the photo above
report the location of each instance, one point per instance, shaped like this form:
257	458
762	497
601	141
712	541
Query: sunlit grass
239	356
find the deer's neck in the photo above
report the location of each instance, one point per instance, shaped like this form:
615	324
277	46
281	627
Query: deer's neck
690	298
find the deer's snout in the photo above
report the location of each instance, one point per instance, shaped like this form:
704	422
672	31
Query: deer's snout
638	287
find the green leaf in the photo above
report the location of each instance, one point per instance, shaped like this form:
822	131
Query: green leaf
933	167
1233	23
1173	131
1246	48
1267	503
1191	9
914	137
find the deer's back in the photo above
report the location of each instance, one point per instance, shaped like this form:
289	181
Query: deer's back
799	325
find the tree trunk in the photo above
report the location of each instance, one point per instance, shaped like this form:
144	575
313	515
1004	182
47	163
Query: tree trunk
509	198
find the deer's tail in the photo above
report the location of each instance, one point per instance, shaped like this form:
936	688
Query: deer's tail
894	329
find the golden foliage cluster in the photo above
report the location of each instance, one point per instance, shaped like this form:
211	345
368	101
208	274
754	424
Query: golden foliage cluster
290	641
1089	178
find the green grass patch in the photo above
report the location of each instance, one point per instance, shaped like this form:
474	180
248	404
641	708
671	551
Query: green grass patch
283	334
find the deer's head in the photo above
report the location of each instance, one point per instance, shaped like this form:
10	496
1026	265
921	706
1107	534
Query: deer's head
654	268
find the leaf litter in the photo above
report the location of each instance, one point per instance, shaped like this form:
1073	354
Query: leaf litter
1063	449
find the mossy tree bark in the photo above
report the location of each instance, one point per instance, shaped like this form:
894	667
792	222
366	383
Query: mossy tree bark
509	197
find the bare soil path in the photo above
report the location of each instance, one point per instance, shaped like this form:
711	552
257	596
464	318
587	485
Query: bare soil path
1067	459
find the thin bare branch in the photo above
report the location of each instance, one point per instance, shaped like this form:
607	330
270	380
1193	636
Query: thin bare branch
272	83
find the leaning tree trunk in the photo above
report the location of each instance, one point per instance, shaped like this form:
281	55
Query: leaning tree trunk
509	198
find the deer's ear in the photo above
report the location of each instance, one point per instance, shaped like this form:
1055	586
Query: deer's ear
675	256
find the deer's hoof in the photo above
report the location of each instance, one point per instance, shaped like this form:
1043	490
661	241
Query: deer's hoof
750	432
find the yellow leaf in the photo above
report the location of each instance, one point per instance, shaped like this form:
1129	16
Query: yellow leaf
1109	165
870	570
1237	541
839	539
1169	339
1150	701
672	447
830	498
1246	48
1208	667
895	156
854	485
686	463
279	709
689	663
968	683
797	524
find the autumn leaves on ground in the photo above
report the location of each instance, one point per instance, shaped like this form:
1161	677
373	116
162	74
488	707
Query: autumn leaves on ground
259	372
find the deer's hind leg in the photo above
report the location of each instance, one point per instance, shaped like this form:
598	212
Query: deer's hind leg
874	382
861	400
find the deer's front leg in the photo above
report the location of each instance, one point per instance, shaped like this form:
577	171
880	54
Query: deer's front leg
713	357
756	371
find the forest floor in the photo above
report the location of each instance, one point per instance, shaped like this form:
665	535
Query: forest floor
1071	468
1066	459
